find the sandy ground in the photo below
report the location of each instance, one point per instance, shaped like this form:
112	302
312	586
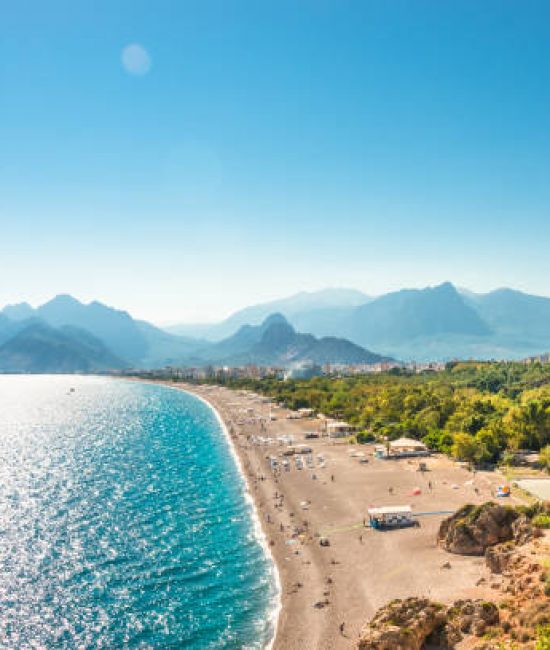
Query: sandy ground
362	569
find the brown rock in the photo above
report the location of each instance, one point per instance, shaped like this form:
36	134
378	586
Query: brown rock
402	625
498	557
473	529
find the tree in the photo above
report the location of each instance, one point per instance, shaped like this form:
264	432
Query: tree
466	447
530	424
545	458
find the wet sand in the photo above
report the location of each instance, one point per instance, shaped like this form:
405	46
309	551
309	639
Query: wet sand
362	569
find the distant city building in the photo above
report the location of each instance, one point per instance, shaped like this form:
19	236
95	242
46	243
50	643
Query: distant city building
305	370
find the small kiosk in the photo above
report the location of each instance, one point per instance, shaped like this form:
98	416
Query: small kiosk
391	517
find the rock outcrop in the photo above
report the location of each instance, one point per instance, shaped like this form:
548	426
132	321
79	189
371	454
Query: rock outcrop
416	623
517	551
403	625
498	557
471	617
473	529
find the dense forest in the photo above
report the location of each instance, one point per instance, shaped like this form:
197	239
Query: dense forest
479	412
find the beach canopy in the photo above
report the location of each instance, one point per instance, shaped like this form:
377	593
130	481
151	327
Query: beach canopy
407	443
389	510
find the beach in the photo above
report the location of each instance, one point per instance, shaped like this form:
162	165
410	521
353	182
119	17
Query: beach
328	593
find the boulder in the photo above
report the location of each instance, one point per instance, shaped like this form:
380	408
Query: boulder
473	529
403	625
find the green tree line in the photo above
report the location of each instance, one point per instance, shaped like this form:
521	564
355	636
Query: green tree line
472	410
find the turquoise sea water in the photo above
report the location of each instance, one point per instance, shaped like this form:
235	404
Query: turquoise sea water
124	522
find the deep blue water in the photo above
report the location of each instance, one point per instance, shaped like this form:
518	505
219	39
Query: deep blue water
123	521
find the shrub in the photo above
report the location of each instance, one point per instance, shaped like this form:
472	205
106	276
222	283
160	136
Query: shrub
364	437
541	520
543	638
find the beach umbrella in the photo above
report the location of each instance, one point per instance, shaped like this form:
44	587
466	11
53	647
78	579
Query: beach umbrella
416	491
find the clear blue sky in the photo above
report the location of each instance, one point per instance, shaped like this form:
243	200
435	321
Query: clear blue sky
270	146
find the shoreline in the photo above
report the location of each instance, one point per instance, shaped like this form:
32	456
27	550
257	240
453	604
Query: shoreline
256	521
320	589
259	532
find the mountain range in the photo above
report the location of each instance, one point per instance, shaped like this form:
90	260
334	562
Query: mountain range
298	308
65	335
38	348
131	342
339	326
276	342
435	323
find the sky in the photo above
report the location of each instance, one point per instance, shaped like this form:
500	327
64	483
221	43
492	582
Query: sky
185	159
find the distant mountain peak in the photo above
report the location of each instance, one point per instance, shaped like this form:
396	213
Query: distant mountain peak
63	299
277	331
274	319
19	311
445	286
276	342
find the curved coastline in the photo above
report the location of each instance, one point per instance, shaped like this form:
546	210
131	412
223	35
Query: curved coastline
258	529
327	594
257	526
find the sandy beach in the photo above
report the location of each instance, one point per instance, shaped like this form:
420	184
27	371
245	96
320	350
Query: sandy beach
324	587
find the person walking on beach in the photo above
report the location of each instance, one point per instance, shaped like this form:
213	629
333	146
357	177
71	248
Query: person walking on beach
342	628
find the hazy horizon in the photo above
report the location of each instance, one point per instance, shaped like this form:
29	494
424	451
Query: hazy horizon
222	316
184	160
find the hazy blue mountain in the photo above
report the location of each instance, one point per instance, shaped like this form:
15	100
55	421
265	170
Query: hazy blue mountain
275	342
9	328
512	313
438	322
20	311
163	348
295	308
444	323
424	324
114	327
40	348
402	316
6	328
246	337
139	343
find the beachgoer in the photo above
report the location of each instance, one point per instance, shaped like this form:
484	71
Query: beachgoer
390	490
332	477
342	628
429	485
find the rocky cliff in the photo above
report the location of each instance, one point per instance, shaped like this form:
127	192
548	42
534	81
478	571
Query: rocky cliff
417	623
474	529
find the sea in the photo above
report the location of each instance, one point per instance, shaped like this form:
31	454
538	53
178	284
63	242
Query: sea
125	521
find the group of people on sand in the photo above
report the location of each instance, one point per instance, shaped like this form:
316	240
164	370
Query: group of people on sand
291	531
